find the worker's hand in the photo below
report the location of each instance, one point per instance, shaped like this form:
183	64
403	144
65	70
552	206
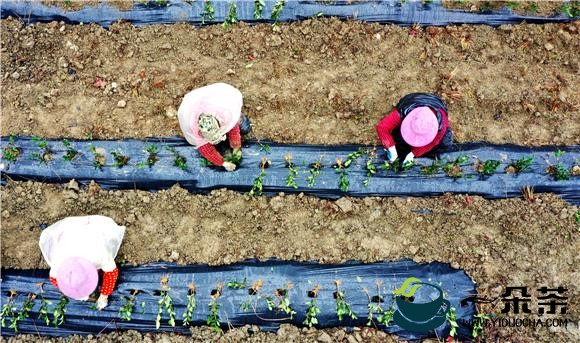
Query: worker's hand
392	154
102	302
229	166
409	159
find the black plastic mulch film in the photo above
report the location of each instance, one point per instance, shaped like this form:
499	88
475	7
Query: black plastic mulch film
355	277
398	12
197	177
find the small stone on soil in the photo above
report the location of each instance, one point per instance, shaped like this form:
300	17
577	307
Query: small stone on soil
121	104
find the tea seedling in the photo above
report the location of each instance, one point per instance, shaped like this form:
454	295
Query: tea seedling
8	309
571	9
283	301
313	310
232	16
237	285
386	166
253	291
258	185
265	148
314	171
343	182
152	150
386	316
520	165
213	318
24	311
383	317
487	168
533	7
208	12
120	159
453	169
451	317
126	310
59	312
165	302
98	157
11	152
45	154
71	153
178	160
342	307
234	157
191	304
161	3
512	5
479	324
43	311
371	171
277	10
558	153
292	172
432	169
259	8
353	156
559	172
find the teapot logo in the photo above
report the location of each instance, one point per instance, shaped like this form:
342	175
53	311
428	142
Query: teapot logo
419	317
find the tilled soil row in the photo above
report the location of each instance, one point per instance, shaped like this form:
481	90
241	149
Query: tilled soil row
315	81
498	243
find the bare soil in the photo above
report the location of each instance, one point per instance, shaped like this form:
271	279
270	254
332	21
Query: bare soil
540	8
316	81
498	243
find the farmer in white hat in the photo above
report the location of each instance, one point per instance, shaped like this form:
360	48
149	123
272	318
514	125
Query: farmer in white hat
75	248
418	124
208	116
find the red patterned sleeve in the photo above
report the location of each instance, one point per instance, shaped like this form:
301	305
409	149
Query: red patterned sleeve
235	137
211	154
53	281
109	282
386	126
425	149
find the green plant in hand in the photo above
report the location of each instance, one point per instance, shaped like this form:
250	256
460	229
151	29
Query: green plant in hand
191	304
343	182
486	168
178	160
126	311
312	310
259	8
292	172
120	159
343	308
277	10
8	309
314	171
213	318
235	156
11	151
520	165
451	317
152	150
165	302
232	16
59	312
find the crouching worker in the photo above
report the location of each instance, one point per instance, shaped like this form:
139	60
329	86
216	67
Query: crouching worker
211	115
418	125
75	248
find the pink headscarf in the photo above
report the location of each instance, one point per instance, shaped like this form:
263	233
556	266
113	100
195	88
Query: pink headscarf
219	99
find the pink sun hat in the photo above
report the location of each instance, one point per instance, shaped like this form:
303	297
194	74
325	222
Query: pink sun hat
77	278
419	127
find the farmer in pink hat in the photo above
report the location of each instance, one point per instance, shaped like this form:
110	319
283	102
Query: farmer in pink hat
76	248
211	115
418	125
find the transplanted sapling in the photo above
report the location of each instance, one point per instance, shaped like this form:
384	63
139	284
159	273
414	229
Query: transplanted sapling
486	168
259	8
232	16
191	304
314	171
45	153
479	323
370	166
8	309
253	292
292	171
343	308
520	165
208	12
43	310
343	182
165	303
213	318
454	168
258	185
374	307
178	160
59	312
120	159
558	171
277	10
282	294
71	153
99	158
24	312
312	309
126	311
432	169
11	152
451	318
152	150
234	284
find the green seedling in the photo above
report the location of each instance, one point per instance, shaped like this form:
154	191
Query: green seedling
71	153
374	307
265	147
120	159
232	16
533	7
59	312
213	318
479	324
312	310
292	172
577	217
208	12
99	158
451	317
371	171
253	292
353	156
258	185
486	168
191	304
161	3
126	311
432	169
234	156
204	162
282	294
314	171
237	284
165	302
45	153
152	150
43	310
519	165
559	153
11	151
343	308
559	172
178	160
343	182
277	10
571	9
24	312
8	309
259	8
386	166
454	168
512	5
